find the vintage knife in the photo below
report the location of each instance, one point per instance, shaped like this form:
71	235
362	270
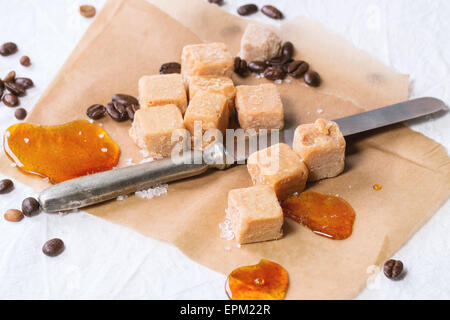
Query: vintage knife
100	187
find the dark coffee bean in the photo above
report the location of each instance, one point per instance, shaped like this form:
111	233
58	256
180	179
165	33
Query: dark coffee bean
298	68
257	66
6	186
277	61
26	83
125	99
8	48
247	9
96	111
20	114
2	85
131	110
312	78
53	247
273	73
10	76
218	2
10	100
170	67
285	66
15	89
393	269
30	207
87	11
25	61
117	111
287	50
240	67
272	12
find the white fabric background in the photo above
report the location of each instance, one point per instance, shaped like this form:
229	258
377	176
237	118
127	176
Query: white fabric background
107	261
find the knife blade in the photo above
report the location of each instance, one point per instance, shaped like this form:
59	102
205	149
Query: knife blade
104	186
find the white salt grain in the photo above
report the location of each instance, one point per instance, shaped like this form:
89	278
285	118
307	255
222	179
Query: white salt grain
319	111
26	140
150	193
278	81
226	228
104	150
144	153
101	136
287	80
121	198
129	161
91	121
13	165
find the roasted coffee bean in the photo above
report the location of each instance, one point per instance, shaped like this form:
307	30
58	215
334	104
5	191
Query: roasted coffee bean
26	83
117	111
287	50
30	207
272	12
25	61
13	215
87	11
170	67
131	110
247	9
15	89
218	2
20	114
393	269
298	68
8	49
312	78
274	73
125	99
257	66
6	186
240	67
53	247
10	76
285	66
10	100
2	85
277	61
96	111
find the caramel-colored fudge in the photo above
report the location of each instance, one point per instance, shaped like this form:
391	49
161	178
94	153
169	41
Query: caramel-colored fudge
222	85
255	214
322	147
210	109
259	107
279	167
259	43
160	90
207	59
152	129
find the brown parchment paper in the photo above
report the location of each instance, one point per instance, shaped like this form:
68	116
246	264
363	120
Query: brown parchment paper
131	38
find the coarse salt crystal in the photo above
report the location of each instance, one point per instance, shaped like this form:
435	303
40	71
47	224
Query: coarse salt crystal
13	165
278	81
150	193
226	228
91	121
129	161
287	80
101	136
121	198
144	153
104	149
319	111
26	140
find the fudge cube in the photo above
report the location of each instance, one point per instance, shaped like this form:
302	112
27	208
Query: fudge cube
152	129
207	59
322	147
208	109
279	167
222	85
160	90
259	43
255	214
259	107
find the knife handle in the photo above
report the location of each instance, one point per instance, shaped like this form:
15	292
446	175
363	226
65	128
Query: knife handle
103	186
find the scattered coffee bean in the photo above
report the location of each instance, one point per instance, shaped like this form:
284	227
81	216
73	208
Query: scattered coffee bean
96	111
272	12
125	99
117	111
10	100
274	73
247	9
257	66
87	11
53	247
20	114
312	78
8	49
15	89
287	50
13	215
30	207
285	66
277	61
240	66
26	83
131	110
2	88
393	269
10	76
25	61
298	68
6	186
218	2
170	67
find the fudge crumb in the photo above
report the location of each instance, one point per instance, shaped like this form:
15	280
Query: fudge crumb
226	228
150	193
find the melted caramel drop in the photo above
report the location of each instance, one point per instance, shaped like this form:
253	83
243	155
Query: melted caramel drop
328	216
265	281
61	152
377	187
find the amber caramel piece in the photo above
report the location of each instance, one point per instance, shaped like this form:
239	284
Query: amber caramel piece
279	167
322	147
206	59
61	152
328	216
153	129
255	214
162	89
259	43
259	107
265	281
